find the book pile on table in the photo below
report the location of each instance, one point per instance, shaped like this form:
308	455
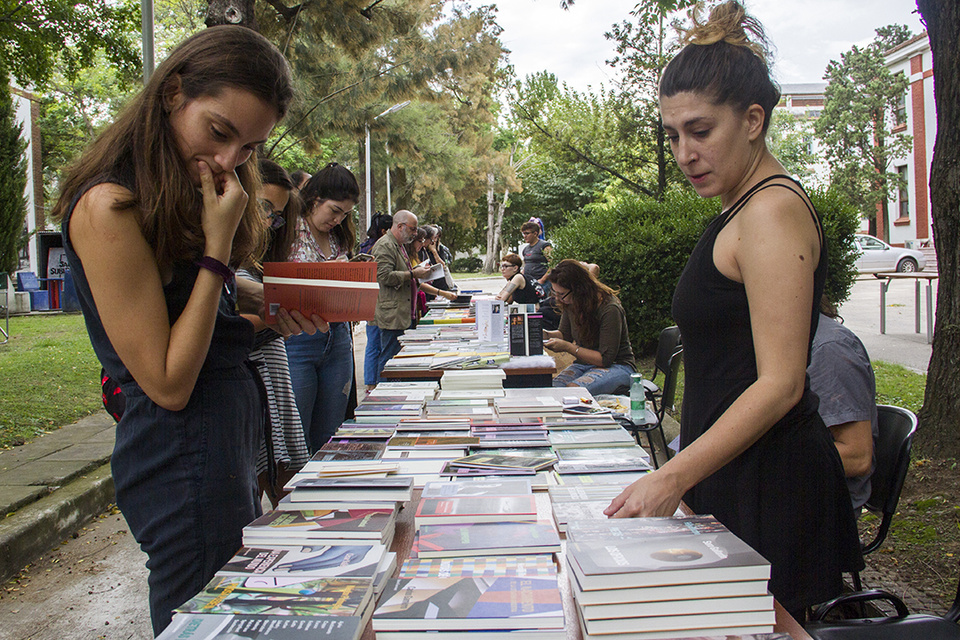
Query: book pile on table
300	575
472	580
636	578
473	379
543	407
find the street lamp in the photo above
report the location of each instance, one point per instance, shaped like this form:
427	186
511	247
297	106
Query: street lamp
369	198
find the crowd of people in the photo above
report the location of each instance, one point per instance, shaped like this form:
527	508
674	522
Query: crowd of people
169	216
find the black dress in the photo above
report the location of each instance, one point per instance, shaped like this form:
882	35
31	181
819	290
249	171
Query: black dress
785	495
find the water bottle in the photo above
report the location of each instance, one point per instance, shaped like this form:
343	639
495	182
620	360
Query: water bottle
638	398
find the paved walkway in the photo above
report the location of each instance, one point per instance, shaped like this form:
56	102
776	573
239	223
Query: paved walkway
52	486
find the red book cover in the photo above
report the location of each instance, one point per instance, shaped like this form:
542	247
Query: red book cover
336	291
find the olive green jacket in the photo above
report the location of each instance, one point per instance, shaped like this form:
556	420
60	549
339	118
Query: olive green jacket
394	303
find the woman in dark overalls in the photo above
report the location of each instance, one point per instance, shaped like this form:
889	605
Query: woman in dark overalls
155	216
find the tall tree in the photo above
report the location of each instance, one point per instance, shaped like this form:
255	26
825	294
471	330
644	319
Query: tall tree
36	35
940	415
790	139
861	97
13	180
644	46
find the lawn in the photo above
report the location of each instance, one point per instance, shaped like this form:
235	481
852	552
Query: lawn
49	376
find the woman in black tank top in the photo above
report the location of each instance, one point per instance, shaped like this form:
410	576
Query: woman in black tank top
754	451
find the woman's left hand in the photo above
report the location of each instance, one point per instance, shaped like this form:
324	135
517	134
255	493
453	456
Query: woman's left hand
653	495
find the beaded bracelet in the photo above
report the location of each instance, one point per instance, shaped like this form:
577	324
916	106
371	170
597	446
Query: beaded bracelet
222	270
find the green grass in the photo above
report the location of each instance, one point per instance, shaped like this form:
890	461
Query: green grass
895	385
49	376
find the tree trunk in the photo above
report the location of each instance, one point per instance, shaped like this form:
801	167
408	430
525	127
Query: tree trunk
498	224
491	217
239	12
940	415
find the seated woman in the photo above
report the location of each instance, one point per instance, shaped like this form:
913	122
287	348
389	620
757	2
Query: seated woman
593	328
520	288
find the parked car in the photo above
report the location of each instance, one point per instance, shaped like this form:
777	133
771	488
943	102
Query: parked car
876	256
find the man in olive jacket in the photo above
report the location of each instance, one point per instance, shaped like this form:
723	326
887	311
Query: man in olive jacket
398	284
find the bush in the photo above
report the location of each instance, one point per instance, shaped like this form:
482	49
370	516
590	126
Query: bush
642	246
470	264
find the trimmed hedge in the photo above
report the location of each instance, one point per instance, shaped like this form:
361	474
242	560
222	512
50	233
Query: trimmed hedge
642	246
469	264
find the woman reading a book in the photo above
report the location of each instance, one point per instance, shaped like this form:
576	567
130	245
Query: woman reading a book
279	205
754	451
593	329
155	215
321	365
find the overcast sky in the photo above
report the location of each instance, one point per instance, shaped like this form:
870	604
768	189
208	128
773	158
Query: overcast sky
807	34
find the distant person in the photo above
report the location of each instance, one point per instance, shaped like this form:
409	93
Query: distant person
536	253
398	281
520	288
299	178
842	376
380	225
434	251
593	329
321	365
156	214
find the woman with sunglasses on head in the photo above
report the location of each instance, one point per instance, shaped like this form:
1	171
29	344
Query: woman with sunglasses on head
321	365
754	451
593	329
520	288
155	214
279	203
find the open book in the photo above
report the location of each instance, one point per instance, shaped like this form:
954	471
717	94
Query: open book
336	291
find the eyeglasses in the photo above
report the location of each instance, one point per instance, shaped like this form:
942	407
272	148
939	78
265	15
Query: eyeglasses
562	297
276	217
505	265
404	224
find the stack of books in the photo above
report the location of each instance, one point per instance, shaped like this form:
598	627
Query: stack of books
323	526
309	492
542	407
602	459
583	502
666	578
473	379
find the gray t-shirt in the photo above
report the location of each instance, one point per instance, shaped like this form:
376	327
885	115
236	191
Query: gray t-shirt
534	262
840	373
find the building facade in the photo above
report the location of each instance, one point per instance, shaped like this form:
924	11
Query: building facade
910	222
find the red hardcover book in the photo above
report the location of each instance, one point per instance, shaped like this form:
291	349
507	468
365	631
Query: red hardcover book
336	291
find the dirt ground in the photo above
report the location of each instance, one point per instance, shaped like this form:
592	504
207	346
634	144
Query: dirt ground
922	549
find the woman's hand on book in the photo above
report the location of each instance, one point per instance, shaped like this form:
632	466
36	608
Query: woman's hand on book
292	323
653	495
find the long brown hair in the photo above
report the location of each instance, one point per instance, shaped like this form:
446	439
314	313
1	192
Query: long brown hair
281	240
334	182
587	295
140	148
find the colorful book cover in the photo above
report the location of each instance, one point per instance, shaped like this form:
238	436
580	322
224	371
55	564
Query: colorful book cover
315	561
489	566
363	523
494	461
193	626
476	509
282	596
470	603
484	538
